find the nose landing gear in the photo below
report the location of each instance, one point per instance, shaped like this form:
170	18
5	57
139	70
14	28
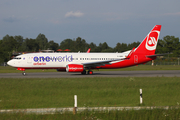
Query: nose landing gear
22	69
24	73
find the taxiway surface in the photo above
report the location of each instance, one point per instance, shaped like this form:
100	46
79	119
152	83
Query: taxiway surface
157	73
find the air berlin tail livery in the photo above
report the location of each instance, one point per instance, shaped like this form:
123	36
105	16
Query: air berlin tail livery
82	62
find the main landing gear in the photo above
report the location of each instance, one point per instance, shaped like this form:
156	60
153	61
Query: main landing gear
89	72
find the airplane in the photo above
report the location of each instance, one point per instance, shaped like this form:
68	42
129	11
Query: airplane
84	63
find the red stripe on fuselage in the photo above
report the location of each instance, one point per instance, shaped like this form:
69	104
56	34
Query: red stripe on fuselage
128	62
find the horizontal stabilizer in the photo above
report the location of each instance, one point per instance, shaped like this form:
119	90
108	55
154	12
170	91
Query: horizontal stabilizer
150	56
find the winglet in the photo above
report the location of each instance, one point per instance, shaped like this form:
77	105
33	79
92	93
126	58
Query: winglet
130	54
89	50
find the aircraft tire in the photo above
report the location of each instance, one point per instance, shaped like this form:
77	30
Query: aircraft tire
24	73
90	72
83	72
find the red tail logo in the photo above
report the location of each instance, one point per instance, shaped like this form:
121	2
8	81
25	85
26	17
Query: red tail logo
152	40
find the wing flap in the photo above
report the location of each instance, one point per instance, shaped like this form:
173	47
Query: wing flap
100	63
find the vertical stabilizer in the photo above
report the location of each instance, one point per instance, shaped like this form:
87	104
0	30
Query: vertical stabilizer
148	45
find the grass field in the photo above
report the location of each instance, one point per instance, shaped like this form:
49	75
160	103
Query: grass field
9	69
92	92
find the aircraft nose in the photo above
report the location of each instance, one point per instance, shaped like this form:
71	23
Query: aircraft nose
9	62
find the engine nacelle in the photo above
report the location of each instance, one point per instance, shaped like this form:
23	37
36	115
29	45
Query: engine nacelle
74	68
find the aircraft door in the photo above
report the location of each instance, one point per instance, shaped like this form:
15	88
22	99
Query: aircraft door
135	59
29	59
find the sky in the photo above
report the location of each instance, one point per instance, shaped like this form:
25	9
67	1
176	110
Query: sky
97	21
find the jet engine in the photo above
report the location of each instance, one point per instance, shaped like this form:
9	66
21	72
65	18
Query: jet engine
74	68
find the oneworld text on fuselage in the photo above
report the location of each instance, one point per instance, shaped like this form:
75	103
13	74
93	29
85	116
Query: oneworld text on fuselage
65	58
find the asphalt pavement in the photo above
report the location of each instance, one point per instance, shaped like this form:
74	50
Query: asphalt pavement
155	73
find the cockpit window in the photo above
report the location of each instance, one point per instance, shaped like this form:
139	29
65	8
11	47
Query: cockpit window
18	58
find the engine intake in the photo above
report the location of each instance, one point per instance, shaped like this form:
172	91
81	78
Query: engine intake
74	68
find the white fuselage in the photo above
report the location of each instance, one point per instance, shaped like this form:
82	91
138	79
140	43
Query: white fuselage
60	60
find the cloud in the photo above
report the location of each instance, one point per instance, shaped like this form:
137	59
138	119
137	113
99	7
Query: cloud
74	14
177	13
113	16
10	19
55	21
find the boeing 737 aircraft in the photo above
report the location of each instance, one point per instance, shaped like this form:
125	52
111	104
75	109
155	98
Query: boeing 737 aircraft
82	62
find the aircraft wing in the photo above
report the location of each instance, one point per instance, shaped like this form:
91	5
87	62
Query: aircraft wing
107	62
100	63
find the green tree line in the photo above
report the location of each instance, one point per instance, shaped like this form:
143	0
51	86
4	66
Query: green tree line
16	44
